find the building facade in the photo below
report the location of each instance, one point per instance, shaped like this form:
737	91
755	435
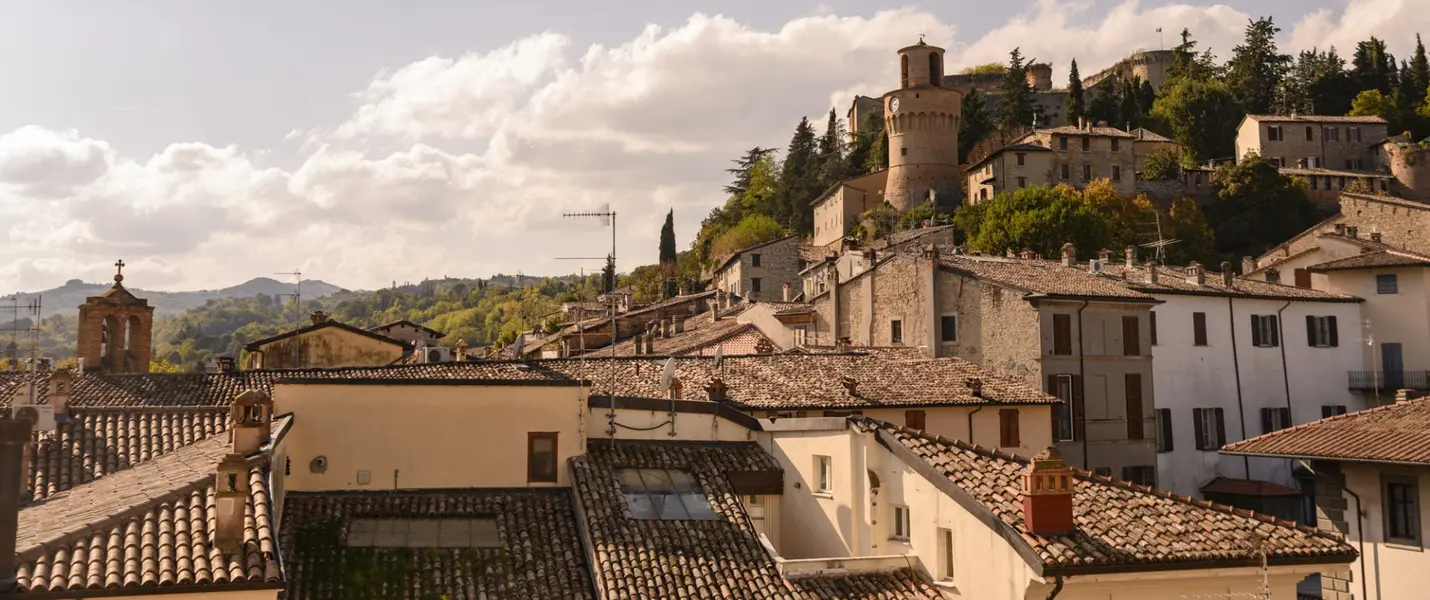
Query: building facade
921	119
325	343
115	330
760	272
1012	167
837	210
1312	141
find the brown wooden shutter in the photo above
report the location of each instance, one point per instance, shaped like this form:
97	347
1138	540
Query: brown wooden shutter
1266	420
1335	336
1153	316
1079	426
1166	428
1008	428
1255	331
1133	381
914	419
1200	427
1220	429
1303	278
1275	330
1131	337
1199	329
1310	330
1062	334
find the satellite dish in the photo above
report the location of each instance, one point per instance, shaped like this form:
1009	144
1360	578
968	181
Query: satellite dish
667	375
719	353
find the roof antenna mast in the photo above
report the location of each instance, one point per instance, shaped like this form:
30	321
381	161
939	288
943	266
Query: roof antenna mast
608	217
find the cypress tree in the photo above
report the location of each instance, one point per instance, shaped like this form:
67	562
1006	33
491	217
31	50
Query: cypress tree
1077	104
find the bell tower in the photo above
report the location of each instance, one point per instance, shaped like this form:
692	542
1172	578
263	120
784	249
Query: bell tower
115	330
921	118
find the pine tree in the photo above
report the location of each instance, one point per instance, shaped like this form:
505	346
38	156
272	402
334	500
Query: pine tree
1419	78
1077	105
1256	69
832	167
608	274
1106	102
861	159
975	126
1015	100
667	239
742	168
1372	68
797	178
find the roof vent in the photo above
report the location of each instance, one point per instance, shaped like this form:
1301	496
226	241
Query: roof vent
975	386
1228	278
850	384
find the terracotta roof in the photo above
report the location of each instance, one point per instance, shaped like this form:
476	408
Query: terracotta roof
1373	260
653	558
899	238
1143	134
1247	487
1093	130
1395	433
540	554
1019	147
257	344
95	443
701	333
1041	277
148	525
1173	280
884	584
1120	526
1306	172
789	308
408	323
1314	119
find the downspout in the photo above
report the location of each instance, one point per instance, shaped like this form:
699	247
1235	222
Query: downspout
1082	382
1057	588
1360	533
1285	376
1236	369
970	422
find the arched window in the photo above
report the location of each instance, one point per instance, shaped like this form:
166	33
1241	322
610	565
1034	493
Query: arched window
904	69
935	71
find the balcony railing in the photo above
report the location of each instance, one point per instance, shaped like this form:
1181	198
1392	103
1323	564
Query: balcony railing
1366	381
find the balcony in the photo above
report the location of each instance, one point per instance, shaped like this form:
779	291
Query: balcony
1367	381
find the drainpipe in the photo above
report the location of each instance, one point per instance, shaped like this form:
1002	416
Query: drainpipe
1236	369
1285	376
14	436
1057	588
1082	382
1360	531
970	422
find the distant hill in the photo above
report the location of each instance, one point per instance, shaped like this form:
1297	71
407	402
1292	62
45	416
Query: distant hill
66	298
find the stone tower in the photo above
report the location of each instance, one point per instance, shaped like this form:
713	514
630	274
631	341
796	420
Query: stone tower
115	330
921	118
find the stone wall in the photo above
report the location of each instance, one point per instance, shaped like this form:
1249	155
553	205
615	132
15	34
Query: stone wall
1410	165
1100	156
1302	140
1331	512
1401	223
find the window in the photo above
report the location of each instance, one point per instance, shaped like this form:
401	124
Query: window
1086	144
1164	430
1352	134
1116	173
476	532
1008	428
541	456
664	495
1275	419
945	546
1153	316
755	284
1067	416
1063	171
1199	329
1321	332
1302	277
1133	389
1273	133
903	151
1330	134
1022	182
1264	333
901	523
1062	142
824	474
1140	475
914	419
842	413
948	328
896	331
1087	172
1022	158
1313	181
1116	144
1211	428
1331	410
754	260
1062	334
1310	133
1341	183
1402	509
1387	284
1131	336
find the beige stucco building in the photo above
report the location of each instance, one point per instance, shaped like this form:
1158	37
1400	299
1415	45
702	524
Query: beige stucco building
1013	167
1312	141
325	343
1074	154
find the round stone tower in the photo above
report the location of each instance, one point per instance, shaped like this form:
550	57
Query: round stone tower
921	118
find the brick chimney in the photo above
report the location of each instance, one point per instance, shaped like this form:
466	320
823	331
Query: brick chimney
665	327
1026	254
250	418
319	317
975	386
1048	494
1195	274
716	389
1130	254
763	346
1248	264
61	383
460	350
1152	272
231	500
640	343
649	345
1228	278
226	364
1069	254
680	325
14	436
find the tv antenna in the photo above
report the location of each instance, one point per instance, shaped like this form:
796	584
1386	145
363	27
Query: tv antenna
1160	244
297	294
607	217
32	308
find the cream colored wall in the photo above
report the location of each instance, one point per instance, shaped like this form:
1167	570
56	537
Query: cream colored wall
652	425
1392	571
435	436
1034	424
1402	318
819	525
328	347
1174	585
763	318
1248	138
238	595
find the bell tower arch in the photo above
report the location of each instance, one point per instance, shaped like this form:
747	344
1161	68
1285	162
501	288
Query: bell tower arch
922	118
115	330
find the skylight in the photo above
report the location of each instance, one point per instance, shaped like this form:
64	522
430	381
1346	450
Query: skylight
664	494
424	533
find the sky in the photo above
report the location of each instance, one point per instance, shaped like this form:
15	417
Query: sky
367	142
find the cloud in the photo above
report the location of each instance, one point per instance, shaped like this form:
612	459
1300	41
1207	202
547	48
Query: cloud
463	165
1395	21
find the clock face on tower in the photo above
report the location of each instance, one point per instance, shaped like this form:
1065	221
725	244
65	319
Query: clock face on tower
894	105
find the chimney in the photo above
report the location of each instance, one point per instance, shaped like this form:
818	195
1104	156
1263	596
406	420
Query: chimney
1069	254
318	317
850	384
763	346
225	364
1010	254
1048	494
1081	123
785	287
1130	253
231	498
716	389
975	386
680	325
1375	236
1340	228
460	350
1351	231
1026	254
1248	264
1300	163
1403	395
649	345
640	343
1228	278
61	382
675	389
12	356
1195	274
1152	272
666	325
1104	255
14	436
250	420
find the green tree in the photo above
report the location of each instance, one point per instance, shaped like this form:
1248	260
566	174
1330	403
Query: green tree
832	168
1077	105
1161	165
1419	76
1186	222
1015	100
1040	218
984	69
1372	68
608	275
1372	103
1406	101
1201	114
1106	103
798	180
668	255
1256	68
1187	64
742	168
753	229
1257	207
1317	83
975	126
861	158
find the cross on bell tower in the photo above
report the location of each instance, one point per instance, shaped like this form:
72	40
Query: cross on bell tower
115	329
119	270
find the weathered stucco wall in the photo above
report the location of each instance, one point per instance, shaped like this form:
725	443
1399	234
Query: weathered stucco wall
328	347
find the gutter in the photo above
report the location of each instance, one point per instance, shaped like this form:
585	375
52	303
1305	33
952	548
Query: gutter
1285	376
1236	369
1057	588
1082	382
1360	531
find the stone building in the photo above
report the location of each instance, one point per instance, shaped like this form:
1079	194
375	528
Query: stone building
1409	163
1147	65
115	330
1325	186
837	210
921	118
1012	167
861	107
325	343
1079	336
1312	141
761	272
1072	154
